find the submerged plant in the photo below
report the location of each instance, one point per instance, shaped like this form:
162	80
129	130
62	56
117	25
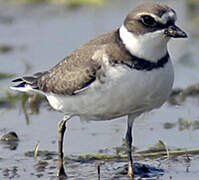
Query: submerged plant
71	3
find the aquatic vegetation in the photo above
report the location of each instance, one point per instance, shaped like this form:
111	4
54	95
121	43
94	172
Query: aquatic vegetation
193	15
183	124
5	48
76	3
36	151
71	3
30	103
140	155
179	95
46	162
6	76
169	125
152	152
44	153
192	4
41	165
8	99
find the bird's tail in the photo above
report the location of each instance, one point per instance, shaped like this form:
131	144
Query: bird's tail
27	83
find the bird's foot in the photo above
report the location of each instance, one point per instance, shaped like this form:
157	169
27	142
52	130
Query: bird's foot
130	171
61	173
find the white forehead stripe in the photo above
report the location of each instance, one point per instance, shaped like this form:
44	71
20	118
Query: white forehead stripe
170	15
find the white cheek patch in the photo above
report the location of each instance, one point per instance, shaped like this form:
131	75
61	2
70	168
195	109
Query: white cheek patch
150	46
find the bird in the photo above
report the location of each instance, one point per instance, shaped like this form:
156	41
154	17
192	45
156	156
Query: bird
124	72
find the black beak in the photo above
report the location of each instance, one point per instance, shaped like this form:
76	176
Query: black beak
175	32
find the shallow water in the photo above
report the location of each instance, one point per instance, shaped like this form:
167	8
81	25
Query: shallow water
41	35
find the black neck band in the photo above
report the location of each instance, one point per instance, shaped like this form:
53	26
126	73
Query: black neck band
142	64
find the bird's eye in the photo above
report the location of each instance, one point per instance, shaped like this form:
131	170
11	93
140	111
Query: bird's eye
148	21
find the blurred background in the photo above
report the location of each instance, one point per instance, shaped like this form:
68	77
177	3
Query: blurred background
37	34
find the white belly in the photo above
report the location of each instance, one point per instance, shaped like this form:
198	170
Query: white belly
125	91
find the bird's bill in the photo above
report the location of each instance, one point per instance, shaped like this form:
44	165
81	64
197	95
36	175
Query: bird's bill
175	32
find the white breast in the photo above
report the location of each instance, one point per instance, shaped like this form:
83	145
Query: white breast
125	91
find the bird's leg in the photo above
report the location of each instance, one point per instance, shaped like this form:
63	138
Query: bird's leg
61	131
129	151
129	145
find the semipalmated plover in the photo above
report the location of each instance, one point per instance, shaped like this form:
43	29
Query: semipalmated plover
127	71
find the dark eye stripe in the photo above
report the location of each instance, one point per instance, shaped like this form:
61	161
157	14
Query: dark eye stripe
163	26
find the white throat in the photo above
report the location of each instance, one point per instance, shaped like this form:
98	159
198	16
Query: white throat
151	46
